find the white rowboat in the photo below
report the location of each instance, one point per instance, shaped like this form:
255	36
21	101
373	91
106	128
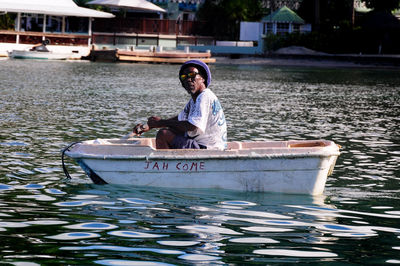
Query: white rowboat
23	54
299	167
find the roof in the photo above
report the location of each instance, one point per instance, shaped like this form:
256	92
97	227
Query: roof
51	7
141	5
284	14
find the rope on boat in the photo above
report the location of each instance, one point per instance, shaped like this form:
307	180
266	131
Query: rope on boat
62	159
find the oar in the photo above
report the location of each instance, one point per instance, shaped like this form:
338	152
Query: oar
138	132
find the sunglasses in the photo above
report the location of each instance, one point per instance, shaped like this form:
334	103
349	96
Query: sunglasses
190	75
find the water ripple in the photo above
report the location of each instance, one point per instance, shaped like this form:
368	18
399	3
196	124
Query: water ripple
131	263
97	226
73	236
208	229
199	257
295	253
253	240
125	249
178	243
134	234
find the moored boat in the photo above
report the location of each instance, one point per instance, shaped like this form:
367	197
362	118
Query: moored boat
24	54
153	56
299	167
39	51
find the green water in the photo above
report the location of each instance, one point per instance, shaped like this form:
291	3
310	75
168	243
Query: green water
47	220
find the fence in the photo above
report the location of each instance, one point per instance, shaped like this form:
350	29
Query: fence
147	26
31	37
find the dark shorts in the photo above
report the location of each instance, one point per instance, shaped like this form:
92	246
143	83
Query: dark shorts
182	142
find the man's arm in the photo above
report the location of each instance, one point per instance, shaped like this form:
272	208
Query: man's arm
173	123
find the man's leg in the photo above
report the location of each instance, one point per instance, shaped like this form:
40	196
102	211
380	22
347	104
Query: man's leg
164	139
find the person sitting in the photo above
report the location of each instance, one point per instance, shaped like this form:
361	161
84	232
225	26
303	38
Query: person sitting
201	124
40	47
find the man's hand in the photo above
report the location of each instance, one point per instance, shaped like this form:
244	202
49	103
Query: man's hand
139	129
154	122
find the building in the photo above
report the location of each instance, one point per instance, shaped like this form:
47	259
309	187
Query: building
65	25
283	21
176	27
180	10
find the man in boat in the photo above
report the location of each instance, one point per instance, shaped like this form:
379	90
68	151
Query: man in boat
201	124
40	47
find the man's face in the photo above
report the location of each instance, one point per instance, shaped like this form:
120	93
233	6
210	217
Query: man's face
192	81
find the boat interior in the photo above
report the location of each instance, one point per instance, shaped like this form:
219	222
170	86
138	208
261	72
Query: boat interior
233	145
147	147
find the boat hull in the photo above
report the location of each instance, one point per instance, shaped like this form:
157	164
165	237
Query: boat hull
22	54
266	171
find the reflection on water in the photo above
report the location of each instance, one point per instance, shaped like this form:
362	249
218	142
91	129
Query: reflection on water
45	219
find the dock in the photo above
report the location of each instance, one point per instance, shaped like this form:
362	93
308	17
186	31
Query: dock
148	56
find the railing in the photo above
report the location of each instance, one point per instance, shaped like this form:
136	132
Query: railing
147	26
115	31
195	40
32	37
133	39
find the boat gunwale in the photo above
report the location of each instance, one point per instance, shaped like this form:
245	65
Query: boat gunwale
328	150
232	157
243	156
50	55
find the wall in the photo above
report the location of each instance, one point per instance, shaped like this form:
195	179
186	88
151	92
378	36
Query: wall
250	31
227	50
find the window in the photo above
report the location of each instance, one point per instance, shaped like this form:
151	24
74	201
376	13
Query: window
282	28
268	28
53	24
77	25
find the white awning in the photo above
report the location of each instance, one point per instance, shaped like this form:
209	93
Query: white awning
51	7
141	5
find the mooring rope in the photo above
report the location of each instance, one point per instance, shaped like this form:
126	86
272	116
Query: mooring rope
62	159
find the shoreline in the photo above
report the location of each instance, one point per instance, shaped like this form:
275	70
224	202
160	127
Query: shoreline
339	61
334	61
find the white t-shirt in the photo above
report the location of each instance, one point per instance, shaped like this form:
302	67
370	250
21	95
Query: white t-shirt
207	115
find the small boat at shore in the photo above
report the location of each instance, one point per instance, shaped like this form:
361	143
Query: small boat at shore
39	51
24	54
298	167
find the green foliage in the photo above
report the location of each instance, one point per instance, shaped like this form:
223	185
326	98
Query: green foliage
353	41
222	17
382	5
7	21
81	2
332	13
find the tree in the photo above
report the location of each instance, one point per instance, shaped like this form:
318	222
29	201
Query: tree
382	27
222	17
382	5
273	5
81	2
7	21
327	15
